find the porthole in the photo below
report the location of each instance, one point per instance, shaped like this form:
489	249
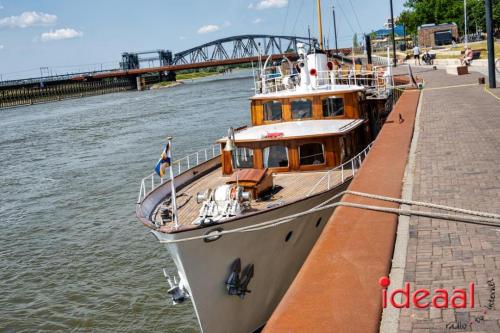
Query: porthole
318	222
288	236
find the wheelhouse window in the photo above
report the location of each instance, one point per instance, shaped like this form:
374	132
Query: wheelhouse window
275	156
243	157
301	108
312	154
333	107
272	110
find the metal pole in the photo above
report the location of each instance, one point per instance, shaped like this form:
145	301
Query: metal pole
335	31
393	37
404	36
173	198
320	25
309	36
368	48
489	42
465	23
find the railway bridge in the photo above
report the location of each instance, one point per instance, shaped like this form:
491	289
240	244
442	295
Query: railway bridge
233	50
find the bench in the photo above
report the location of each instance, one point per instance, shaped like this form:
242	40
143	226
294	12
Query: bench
476	54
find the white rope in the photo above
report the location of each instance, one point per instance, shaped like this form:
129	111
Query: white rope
481	218
424	204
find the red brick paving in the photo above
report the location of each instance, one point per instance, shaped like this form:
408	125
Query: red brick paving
457	164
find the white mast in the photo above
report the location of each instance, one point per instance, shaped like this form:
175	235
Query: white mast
172	184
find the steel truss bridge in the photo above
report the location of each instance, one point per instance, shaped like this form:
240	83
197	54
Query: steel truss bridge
222	52
230	48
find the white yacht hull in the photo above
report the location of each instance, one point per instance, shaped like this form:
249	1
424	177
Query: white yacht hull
205	266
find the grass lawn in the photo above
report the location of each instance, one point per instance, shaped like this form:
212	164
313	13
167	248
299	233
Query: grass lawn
194	75
166	83
474	46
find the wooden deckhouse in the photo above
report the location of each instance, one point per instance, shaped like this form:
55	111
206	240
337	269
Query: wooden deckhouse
300	131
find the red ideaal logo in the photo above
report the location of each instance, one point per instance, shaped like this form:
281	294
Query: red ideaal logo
440	298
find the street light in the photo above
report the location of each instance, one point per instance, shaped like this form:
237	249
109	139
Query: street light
465	23
491	46
394	60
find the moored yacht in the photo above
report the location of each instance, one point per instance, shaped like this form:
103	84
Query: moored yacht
244	216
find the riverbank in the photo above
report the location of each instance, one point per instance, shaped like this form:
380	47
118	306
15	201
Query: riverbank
183	77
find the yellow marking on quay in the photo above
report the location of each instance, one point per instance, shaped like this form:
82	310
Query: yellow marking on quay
490	92
449	87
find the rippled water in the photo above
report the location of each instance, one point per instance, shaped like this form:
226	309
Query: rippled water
73	257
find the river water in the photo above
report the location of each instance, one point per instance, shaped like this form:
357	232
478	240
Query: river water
73	257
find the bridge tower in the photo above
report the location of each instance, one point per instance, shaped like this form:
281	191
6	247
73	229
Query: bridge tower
129	61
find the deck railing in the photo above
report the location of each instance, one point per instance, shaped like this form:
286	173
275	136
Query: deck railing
152	181
376	80
345	170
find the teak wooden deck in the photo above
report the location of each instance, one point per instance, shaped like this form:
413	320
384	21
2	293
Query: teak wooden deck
295	185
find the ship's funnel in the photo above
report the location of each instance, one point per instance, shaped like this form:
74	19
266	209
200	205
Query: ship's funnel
318	68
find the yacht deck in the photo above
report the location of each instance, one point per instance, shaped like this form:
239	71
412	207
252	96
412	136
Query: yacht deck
295	185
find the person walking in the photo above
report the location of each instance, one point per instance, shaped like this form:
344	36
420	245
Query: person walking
416	54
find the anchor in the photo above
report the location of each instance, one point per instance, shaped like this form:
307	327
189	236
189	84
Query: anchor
177	290
238	285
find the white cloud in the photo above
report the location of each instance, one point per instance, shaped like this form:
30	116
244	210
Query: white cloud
257	20
208	28
1	46
182	37
266	4
1	6
28	19
59	34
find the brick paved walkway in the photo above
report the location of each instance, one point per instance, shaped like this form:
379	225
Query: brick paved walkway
457	164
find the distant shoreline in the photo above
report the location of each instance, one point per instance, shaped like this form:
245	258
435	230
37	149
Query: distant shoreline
182	78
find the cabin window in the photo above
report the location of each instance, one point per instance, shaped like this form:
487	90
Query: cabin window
333	107
301	108
243	157
312	154
275	156
272	110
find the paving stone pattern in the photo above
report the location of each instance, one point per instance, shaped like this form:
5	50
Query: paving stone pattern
457	164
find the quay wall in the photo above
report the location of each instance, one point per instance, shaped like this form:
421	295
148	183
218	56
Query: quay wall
337	288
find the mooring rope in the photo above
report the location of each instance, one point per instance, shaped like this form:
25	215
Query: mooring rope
479	218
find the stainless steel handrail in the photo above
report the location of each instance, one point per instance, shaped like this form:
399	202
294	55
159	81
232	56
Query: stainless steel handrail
346	169
152	181
375	79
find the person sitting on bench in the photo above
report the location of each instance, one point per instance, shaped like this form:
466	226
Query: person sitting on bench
468	55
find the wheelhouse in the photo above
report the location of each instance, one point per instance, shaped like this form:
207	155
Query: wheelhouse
300	131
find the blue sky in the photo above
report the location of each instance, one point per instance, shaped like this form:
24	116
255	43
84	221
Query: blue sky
73	35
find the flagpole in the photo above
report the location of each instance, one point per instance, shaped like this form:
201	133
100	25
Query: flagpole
173	194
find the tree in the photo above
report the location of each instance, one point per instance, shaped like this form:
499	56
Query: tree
420	12
355	42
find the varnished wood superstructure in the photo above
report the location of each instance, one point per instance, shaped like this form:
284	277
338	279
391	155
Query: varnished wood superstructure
351	99
338	147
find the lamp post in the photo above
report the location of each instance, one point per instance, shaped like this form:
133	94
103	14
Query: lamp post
394	61
465	24
489	42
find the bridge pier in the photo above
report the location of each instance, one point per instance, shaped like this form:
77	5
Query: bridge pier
138	83
171	76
